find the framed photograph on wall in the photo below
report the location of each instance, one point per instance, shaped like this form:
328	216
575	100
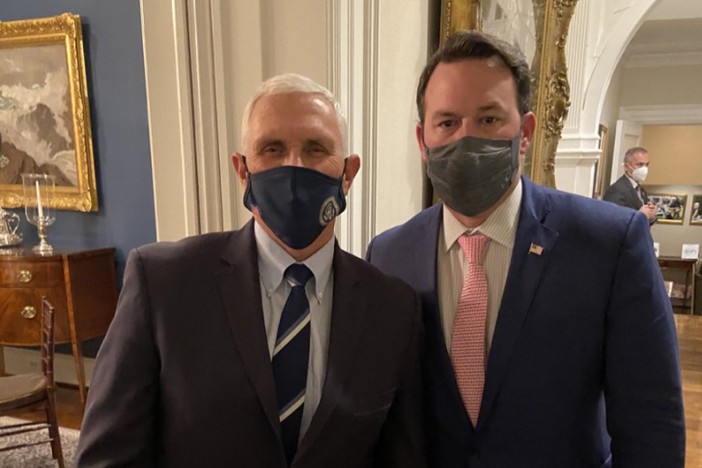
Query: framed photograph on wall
670	208
44	113
696	211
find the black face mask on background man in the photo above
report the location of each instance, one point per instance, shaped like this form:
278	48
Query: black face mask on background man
471	174
296	203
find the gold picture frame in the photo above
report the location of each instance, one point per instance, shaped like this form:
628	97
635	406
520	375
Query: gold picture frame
696	213
603	133
44	111
670	207
550	87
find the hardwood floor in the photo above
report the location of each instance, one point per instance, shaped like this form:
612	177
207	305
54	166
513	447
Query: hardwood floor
690	342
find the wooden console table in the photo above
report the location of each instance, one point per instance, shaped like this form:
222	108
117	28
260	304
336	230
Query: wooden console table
80	285
687	264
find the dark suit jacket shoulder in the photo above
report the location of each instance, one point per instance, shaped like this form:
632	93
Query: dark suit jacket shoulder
183	377
622	193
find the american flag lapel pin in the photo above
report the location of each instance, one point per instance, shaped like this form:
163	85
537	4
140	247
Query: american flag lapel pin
535	249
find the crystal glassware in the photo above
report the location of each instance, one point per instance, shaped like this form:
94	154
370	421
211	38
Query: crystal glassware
38	206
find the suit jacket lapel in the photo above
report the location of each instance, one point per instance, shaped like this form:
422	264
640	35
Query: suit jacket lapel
523	279
644	195
240	289
632	194
348	316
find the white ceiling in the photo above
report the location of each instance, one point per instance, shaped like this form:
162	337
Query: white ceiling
672	27
676	9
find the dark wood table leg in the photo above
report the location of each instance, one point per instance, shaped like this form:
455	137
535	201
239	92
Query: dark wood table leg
2	361
80	372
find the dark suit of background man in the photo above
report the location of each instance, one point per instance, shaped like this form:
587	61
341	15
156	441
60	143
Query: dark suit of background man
557	347
204	365
627	190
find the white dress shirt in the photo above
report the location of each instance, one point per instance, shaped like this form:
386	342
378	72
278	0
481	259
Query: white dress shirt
501	228
273	260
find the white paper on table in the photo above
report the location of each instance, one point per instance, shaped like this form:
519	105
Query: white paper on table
691	251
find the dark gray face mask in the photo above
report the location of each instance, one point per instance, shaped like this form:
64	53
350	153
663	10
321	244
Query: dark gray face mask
471	174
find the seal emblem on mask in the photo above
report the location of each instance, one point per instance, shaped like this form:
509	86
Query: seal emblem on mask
330	208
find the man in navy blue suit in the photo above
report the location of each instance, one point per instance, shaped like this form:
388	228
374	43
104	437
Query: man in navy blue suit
550	339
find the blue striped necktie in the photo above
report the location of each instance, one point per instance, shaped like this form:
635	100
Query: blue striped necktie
291	358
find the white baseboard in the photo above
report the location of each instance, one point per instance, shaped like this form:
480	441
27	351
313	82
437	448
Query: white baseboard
20	361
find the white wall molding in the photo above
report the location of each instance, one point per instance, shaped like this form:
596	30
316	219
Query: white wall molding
577	141
576	53
205	118
575	169
352	78
169	103
605	61
678	114
664	60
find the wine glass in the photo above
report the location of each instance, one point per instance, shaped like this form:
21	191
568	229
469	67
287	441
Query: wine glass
39	192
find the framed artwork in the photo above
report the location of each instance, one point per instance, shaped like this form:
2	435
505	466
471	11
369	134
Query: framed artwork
600	165
44	114
670	208
695	211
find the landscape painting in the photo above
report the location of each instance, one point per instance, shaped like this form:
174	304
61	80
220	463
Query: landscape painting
44	118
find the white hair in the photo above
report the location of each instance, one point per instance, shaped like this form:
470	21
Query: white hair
293	83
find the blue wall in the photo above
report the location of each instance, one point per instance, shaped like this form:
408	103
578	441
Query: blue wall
116	88
114	63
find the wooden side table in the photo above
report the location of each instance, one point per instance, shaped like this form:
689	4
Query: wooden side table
81	286
687	264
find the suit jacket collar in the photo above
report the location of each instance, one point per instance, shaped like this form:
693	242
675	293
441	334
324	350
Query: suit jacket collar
634	200
240	289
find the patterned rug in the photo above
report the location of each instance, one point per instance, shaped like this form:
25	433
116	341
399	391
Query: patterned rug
38	456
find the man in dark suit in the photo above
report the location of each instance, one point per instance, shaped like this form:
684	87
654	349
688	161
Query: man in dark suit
550	339
268	346
627	190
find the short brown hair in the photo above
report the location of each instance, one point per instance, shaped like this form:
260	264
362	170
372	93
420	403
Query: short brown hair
629	155
466	45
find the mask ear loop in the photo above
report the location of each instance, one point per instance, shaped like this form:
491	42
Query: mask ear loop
246	167
346	160
249	202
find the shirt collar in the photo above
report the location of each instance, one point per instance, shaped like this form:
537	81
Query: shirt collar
501	225
273	260
633	182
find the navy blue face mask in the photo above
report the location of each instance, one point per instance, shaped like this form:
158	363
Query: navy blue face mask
296	203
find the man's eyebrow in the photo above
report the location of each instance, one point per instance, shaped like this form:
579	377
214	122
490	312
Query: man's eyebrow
444	114
490	107
319	141
261	142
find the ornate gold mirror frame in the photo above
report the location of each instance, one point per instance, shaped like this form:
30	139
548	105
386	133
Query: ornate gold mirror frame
550	90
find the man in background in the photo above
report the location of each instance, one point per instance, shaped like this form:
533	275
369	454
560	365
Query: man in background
627	190
269	346
550	338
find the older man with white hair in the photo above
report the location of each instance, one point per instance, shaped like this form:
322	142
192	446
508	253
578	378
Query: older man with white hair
268	346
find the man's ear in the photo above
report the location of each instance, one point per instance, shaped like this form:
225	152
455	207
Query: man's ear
419	132
239	167
528	129
353	165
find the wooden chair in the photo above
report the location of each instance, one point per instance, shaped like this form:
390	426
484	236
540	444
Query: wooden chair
34	391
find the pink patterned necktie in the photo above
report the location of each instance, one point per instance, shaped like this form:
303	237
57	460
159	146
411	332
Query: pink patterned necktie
468	336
